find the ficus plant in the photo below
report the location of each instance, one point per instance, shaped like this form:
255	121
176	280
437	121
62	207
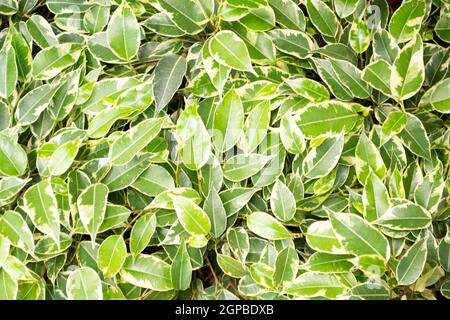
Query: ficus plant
224	149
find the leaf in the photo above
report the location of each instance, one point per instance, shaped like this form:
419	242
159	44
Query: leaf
187	15
92	206
310	284
359	36
229	50
244	166
228	121
407	216
142	232
293	42
193	219
8	70
235	198
255	127
288	14
394	124
442	26
41	32
15	229
123	32
40	205
350	77
266	226
407	20
282	202
32	104
322	17
111	255
345	8
169	74
230	266
321	237
333	116
181	269
368	159
147	271
408	70
160	23
215	210
415	138
357	236
13	158
286	266
375	198
154	180
384	47
84	284
411	265
291	136
63	157
309	89
438	97
8	286
124	148
377	75
321	160
49	62
120	177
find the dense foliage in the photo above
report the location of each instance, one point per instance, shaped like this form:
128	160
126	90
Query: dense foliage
212	149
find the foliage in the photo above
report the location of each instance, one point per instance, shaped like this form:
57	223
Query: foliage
212	149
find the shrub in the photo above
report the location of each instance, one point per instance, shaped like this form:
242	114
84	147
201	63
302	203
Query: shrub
239	149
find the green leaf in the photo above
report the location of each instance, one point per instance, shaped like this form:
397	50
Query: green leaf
8	286
407	20
14	227
311	284
181	269
84	284
244	166
358	236
92	206
344	8
13	158
323	18
228	121
32	104
255	127
321	160
291	136
41	32
282	202
41	206
293	42
384	47
187	15
438	97
333	116
193	219
63	157
123	32
142	233
350	77
215	210
329	263
169	74
230	266
8	70
415	138
154	180
408	70
160	23
321	237
359	36
411	265
442	27
309	89
407	216
124	148
111	255
229	50
375	198
288	14
394	124
266	226
147	271
368	160
49	62
286	266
